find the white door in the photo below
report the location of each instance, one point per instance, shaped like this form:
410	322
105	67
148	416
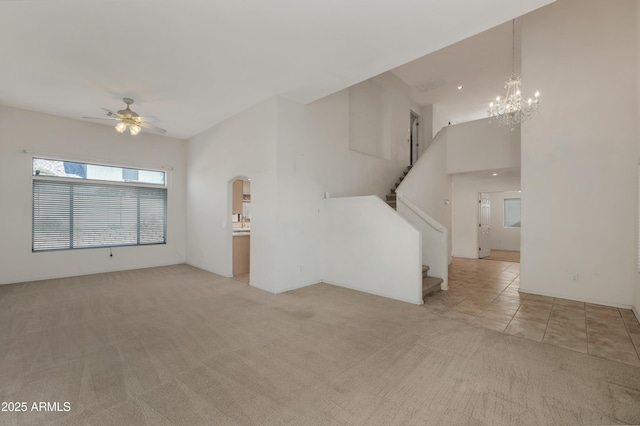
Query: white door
484	216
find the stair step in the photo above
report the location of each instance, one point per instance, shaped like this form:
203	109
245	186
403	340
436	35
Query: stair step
391	197
430	285
392	203
425	271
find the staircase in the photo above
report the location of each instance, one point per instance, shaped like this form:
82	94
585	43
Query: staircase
429	284
391	197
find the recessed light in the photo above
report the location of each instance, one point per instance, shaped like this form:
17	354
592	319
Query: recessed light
459	87
495	174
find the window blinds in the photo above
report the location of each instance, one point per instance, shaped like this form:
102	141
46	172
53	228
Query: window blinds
70	215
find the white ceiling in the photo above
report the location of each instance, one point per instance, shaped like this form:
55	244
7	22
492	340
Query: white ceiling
194	63
480	64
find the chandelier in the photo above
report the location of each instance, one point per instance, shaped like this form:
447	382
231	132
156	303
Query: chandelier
513	108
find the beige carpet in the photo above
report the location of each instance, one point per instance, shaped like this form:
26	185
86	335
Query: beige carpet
176	345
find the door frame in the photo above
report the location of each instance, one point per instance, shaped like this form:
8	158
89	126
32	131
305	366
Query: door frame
482	195
414	137
230	222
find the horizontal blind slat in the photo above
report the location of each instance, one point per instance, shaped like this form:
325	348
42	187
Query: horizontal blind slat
80	215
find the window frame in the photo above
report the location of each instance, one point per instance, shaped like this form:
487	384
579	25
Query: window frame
504	212
76	181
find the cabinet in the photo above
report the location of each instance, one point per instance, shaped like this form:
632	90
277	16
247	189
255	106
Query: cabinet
236	205
241	254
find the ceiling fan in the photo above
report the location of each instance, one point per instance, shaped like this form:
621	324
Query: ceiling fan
128	118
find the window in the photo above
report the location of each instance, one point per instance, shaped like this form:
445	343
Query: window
512	212
70	212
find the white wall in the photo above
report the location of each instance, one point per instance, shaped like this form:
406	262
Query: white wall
294	154
466	188
244	145
314	158
426	122
368	247
482	145
83	141
428	188
502	238
300	194
637	299
580	153
428	185
434	239
370	119
439	120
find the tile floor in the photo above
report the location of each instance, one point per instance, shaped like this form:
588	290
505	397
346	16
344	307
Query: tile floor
486	293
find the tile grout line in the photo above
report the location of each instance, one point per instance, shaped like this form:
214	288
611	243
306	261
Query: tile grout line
519	306
548	319
629	334
586	328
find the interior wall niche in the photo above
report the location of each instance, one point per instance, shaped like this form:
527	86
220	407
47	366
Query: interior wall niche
369	119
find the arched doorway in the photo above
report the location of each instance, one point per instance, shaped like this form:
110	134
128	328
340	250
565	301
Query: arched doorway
241	228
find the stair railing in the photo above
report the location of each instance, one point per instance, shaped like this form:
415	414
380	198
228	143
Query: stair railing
434	238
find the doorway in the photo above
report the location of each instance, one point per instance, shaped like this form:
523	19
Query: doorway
414	138
484	225
241	228
499	226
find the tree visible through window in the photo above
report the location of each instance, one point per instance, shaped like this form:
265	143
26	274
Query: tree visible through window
512	212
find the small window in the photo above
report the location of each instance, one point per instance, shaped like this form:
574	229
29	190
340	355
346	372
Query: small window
512	212
74	170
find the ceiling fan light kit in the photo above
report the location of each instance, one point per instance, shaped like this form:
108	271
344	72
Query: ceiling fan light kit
129	119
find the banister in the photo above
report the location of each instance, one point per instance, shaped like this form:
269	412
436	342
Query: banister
421	214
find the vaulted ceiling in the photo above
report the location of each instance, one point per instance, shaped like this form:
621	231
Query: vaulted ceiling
461	79
194	63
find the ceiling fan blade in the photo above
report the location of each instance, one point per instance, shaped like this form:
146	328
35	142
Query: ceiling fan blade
148	119
102	118
151	127
112	113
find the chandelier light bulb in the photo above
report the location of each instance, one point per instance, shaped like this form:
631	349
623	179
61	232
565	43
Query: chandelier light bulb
514	108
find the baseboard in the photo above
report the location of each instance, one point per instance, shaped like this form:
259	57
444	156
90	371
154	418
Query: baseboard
636	313
297	287
97	272
578	299
350	287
